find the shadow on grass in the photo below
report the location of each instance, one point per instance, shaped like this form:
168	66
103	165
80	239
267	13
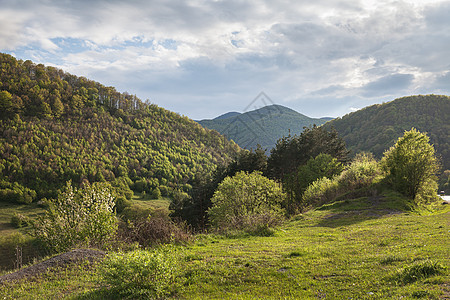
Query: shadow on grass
350	211
102	293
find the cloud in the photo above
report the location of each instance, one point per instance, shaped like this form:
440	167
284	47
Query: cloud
217	54
387	85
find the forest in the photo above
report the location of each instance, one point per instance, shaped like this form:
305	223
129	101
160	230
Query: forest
57	127
377	127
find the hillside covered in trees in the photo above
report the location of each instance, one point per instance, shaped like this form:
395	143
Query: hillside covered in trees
377	127
264	126
56	127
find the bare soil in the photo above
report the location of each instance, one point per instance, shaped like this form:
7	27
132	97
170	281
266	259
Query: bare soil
60	261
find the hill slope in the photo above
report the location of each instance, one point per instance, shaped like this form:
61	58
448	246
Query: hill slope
377	127
56	127
263	126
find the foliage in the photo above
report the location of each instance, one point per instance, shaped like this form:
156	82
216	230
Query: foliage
291	155
16	193
62	127
30	247
362	173
156	193
19	220
293	151
243	196
376	128
323	165
411	164
321	191
260	224
193	207
262	126
142	273
79	216
248	161
152	229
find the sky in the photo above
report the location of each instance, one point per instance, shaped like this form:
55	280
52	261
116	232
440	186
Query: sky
202	58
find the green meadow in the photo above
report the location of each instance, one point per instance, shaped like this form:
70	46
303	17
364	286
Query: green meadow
366	248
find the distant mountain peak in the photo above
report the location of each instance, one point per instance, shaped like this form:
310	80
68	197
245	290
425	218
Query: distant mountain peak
262	126
227	115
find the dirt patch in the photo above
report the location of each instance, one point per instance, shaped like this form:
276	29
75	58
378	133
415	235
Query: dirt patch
61	260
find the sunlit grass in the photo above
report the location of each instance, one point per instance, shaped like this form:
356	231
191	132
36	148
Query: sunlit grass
341	251
7	210
144	202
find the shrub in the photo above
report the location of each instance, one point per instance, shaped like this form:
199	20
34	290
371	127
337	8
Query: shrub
142	273
153	229
362	173
256	224
320	191
245	196
156	193
122	203
19	220
323	165
411	164
31	249
17	193
84	216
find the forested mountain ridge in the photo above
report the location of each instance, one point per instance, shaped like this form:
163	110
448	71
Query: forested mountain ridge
55	127
262	126
377	127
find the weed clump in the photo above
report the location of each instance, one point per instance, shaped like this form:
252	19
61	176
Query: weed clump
142	273
390	259
419	271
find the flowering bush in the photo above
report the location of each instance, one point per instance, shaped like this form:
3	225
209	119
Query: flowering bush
78	217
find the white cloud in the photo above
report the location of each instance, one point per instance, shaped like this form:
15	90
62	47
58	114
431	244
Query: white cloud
331	53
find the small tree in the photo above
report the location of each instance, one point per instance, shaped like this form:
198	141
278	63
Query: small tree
84	216
411	164
244	197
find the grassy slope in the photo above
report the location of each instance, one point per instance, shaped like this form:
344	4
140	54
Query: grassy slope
349	249
7	211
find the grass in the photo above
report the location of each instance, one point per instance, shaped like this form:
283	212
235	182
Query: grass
354	249
144	202
7	210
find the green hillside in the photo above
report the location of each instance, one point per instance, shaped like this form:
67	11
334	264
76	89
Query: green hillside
56	127
377	127
263	126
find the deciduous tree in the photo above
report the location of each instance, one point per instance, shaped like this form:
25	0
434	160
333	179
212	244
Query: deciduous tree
411	164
